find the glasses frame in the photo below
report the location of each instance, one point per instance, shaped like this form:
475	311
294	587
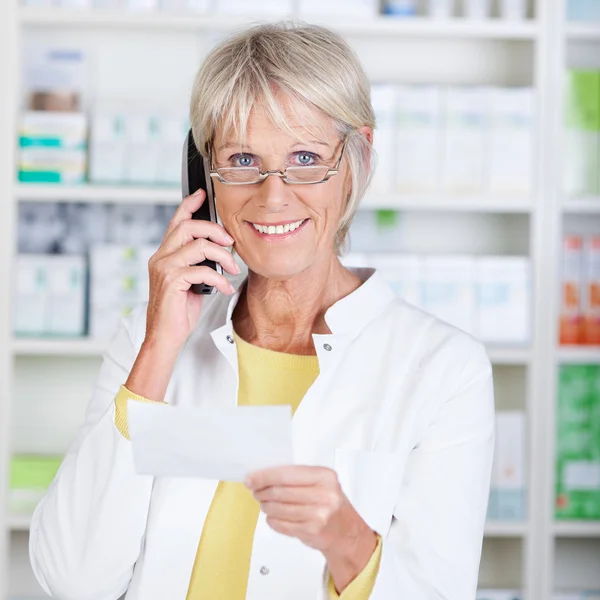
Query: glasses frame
262	175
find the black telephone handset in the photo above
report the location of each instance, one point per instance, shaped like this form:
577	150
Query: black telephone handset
195	175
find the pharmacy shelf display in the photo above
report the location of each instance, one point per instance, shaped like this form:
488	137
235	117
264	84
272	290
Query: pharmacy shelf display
526	547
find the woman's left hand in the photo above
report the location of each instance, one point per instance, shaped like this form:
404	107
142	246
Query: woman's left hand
308	503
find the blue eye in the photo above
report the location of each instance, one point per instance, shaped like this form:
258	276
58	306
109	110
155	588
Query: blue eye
245	160
306	158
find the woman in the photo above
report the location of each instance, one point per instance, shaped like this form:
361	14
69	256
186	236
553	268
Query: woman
393	409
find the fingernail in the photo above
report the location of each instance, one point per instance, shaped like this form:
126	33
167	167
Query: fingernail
231	288
229	239
198	192
238	269
248	482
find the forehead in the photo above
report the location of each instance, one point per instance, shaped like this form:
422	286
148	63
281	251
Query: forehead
288	122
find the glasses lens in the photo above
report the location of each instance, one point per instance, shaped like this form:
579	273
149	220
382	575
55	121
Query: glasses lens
306	174
239	174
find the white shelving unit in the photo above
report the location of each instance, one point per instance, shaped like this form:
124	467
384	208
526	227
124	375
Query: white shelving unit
535	555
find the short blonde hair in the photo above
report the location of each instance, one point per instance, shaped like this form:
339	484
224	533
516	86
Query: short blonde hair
311	65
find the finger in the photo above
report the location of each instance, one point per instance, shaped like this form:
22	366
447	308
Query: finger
293	513
310	495
188	206
200	250
190	275
294	475
192	229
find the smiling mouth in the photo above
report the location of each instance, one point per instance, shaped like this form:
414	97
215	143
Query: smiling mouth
278	230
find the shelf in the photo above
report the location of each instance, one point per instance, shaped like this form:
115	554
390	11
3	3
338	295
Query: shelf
580	529
97	193
60	347
157	195
589	204
509	356
583	31
87	347
417	27
18	522
508	529
579	354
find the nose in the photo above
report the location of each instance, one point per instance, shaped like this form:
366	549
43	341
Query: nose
273	194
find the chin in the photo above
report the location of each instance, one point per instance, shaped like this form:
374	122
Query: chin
278	268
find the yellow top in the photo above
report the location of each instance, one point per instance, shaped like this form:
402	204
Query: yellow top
222	560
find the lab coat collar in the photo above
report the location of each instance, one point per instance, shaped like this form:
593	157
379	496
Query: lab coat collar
349	315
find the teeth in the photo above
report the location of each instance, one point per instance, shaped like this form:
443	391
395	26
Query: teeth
277	229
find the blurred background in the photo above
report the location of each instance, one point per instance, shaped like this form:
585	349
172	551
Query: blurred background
484	210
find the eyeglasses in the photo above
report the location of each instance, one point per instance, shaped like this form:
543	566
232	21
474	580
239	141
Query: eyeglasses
298	175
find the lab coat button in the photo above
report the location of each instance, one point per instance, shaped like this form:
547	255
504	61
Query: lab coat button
327	347
264	571
229	339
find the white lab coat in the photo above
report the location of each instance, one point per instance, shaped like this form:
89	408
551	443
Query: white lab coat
403	409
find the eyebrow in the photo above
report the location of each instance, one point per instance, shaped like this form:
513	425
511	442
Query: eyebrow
246	147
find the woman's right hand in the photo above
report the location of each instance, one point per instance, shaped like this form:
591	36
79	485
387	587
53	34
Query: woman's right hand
173	309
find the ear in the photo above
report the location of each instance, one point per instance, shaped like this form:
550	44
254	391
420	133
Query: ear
367	132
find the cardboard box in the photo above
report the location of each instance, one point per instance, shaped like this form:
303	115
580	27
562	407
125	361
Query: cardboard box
582	133
418	137
590	296
503	299
466	114
571	281
448	291
578	443
509	483
511	141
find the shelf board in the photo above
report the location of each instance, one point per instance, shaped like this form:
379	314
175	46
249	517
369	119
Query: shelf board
579	354
58	347
97	193
415	27
584	204
583	31
18	522
509	529
88	347
165	195
509	356
580	529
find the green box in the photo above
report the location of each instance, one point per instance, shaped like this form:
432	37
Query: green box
582	120
30	476
578	443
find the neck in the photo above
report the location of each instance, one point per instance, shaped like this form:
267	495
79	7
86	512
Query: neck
282	315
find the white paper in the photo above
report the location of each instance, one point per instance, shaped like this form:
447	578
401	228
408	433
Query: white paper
226	444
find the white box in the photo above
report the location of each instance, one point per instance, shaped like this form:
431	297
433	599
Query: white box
338	8
67	293
477	9
508	487
503	299
53	129
419	128
402	272
108	147
31	299
173	132
383	99
142	5
514	10
135	224
447	290
142	156
464	147
195	6
271	8
511	141
441	9
499	595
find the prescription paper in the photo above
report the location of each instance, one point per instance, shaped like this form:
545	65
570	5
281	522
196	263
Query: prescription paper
226	444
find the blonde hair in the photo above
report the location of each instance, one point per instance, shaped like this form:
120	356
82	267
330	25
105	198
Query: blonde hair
311	65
